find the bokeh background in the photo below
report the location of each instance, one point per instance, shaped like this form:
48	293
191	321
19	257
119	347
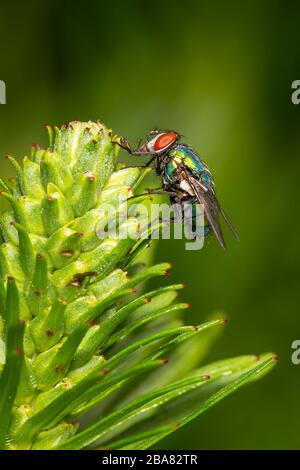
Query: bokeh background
220	73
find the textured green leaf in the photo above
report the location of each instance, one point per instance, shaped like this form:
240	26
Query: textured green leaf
149	402
251	374
9	380
75	396
98	337
52	365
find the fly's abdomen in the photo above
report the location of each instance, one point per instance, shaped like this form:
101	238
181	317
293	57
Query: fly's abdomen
193	218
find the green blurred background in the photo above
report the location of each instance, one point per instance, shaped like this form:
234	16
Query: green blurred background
221	74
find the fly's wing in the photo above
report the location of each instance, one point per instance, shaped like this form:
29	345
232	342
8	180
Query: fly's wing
229	224
207	198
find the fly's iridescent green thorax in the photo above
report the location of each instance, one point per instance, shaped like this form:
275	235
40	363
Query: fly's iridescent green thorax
183	155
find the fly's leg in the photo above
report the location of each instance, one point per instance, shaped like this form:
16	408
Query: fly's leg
149	190
138	153
162	192
141	166
138	166
125	145
150	161
148	193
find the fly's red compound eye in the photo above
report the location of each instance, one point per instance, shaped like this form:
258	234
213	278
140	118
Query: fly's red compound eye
161	142
164	140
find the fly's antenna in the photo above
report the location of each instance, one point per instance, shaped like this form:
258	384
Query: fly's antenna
181	135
